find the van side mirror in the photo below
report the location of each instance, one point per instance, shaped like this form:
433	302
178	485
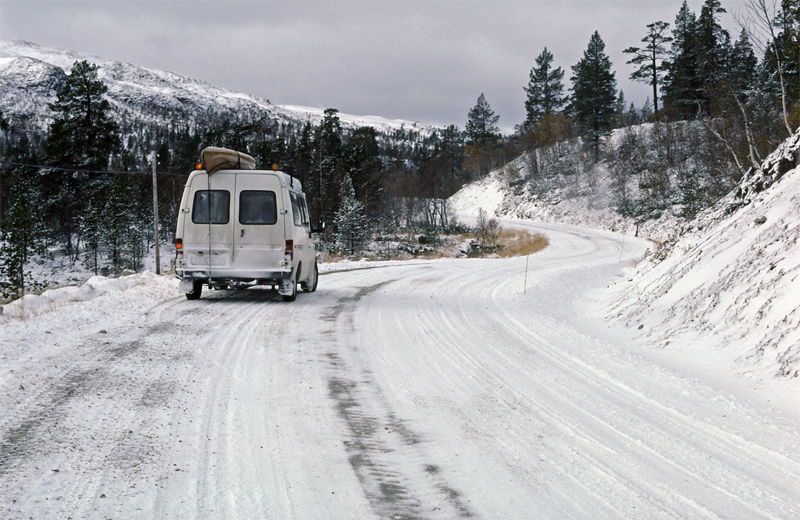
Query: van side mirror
318	228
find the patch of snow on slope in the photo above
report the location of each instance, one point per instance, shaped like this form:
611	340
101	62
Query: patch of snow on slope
487	194
732	283
316	115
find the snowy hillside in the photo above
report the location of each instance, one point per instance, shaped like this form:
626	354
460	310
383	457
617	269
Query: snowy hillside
733	281
729	279
571	197
31	75
496	196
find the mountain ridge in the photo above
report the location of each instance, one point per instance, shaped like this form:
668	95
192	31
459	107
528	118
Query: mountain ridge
30	76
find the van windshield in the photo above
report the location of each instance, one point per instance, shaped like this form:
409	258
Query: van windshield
257	207
215	202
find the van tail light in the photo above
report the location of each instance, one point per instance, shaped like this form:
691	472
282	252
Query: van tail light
178	248
288	253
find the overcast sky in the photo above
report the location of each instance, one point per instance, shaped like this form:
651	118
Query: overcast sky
425	61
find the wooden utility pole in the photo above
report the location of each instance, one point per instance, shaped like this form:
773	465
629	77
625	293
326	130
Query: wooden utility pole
155	216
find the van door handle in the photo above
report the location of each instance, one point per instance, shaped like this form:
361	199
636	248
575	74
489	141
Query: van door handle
242	233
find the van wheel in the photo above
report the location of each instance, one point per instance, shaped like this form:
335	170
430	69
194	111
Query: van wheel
197	290
291	297
310	285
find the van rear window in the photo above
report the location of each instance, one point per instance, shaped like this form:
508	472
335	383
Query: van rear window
215	202
257	207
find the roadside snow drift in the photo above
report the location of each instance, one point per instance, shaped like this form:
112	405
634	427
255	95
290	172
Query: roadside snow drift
36	304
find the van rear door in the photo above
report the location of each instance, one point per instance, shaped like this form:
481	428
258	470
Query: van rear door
259	239
208	230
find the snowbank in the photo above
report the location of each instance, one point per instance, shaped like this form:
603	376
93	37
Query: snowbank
34	305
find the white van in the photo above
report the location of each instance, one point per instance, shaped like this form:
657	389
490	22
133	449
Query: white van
239	226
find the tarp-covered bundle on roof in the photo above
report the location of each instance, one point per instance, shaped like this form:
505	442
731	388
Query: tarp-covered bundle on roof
215	159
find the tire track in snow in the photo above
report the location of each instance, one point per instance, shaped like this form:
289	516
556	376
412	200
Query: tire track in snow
222	432
383	451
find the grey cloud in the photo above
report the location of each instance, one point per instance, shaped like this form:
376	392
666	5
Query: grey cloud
419	60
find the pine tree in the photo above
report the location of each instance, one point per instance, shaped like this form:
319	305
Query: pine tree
594	93
82	136
650	58
545	90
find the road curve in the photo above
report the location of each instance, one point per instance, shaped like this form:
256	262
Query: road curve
444	389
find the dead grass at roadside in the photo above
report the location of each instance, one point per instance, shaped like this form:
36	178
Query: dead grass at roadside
510	243
516	242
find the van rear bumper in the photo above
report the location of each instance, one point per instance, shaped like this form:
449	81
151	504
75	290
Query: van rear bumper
260	277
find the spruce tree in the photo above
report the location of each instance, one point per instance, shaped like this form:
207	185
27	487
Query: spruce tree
743	64
545	90
302	159
20	226
452	146
325	186
682	83
90	228
352	225
594	93
780	68
713	47
117	222
361	162
789	43
481	126
481	136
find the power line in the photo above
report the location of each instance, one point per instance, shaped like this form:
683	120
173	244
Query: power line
72	170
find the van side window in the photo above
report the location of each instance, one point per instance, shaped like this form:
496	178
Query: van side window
304	209
297	212
217	202
257	207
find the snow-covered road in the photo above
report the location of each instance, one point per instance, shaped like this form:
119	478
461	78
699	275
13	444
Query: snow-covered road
438	389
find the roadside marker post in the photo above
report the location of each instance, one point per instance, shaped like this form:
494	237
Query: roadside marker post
525	287
155	216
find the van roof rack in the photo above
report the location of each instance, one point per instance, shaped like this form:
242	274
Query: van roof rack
215	159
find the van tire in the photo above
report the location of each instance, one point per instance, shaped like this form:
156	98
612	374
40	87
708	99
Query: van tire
197	290
291	297
310	285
